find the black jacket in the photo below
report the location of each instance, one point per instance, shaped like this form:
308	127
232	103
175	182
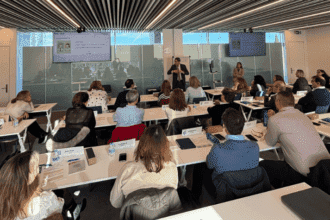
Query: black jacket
270	103
216	112
78	117
318	97
301	84
175	75
121	99
327	79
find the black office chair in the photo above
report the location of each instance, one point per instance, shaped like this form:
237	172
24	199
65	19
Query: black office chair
178	124
197	100
96	108
206	87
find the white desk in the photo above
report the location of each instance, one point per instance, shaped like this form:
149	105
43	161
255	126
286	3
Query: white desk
213	92
47	108
261	206
323	130
108	167
8	129
251	107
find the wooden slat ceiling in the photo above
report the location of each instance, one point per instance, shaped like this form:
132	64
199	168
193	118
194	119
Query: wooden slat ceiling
189	15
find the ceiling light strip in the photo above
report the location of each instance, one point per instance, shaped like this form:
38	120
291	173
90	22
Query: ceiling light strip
173	1
309	26
62	12
239	15
294	19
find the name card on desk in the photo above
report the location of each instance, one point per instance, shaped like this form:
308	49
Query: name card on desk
203	103
250	124
125	144
219	88
164	107
68	152
301	93
247	99
191	131
2	121
95	113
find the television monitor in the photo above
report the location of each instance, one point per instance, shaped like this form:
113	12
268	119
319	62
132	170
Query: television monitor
247	44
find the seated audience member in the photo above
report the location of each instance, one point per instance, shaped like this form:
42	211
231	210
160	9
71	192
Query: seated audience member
259	84
129	115
325	76
194	90
301	83
164	94
320	96
228	96
177	106
153	167
276	78
97	96
19	108
240	86
278	87
223	157
76	118
121	98
20	194
301	144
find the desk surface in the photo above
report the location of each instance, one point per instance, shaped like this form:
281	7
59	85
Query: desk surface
9	129
108	167
323	129
214	91
112	101
44	107
262	206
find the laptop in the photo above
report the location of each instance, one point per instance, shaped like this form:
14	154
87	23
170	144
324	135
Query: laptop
309	204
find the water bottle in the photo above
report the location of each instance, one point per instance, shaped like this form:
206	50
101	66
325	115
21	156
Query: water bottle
112	149
265	118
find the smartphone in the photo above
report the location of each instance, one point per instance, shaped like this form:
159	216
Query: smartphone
317	124
251	137
122	157
90	153
220	137
255	105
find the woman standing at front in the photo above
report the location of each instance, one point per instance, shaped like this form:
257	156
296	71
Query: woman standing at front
238	71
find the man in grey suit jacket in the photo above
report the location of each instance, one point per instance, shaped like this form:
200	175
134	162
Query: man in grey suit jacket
178	71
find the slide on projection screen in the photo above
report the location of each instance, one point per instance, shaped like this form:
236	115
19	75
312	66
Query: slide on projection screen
81	47
247	44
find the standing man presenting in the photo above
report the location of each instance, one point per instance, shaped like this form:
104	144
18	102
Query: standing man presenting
179	71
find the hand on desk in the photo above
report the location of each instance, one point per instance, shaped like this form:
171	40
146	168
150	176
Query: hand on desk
26	115
216	102
189	108
270	113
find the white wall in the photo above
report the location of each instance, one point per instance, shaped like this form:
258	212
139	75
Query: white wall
318	49
8	38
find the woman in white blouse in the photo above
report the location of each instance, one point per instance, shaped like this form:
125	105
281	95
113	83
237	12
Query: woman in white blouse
20	194
97	96
194	90
177	108
153	167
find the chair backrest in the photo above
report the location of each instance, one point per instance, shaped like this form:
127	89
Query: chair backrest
178	124
150	203
239	184
206	87
127	133
199	99
319	175
96	108
107	88
152	90
322	109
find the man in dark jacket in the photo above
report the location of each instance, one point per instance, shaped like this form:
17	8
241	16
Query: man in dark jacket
178	71
320	96
277	87
121	98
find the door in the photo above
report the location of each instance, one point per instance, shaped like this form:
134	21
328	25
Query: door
296	59
4	76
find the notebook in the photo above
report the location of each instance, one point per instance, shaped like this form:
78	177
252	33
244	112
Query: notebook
185	143
309	204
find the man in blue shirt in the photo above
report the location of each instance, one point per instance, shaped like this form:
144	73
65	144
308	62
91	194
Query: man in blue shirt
129	115
234	154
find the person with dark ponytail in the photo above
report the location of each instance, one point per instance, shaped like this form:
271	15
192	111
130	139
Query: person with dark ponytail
19	108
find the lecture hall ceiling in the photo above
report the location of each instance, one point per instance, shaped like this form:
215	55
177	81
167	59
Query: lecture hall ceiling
189	15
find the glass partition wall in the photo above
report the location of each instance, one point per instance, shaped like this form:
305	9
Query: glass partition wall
134	55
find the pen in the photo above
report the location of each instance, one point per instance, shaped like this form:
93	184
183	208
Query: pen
73	160
45	165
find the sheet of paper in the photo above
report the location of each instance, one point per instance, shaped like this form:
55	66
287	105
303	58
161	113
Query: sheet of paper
191	131
125	144
52	174
77	166
198	214
71	151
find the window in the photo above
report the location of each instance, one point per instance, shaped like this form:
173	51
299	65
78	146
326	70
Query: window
194	38
219	38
